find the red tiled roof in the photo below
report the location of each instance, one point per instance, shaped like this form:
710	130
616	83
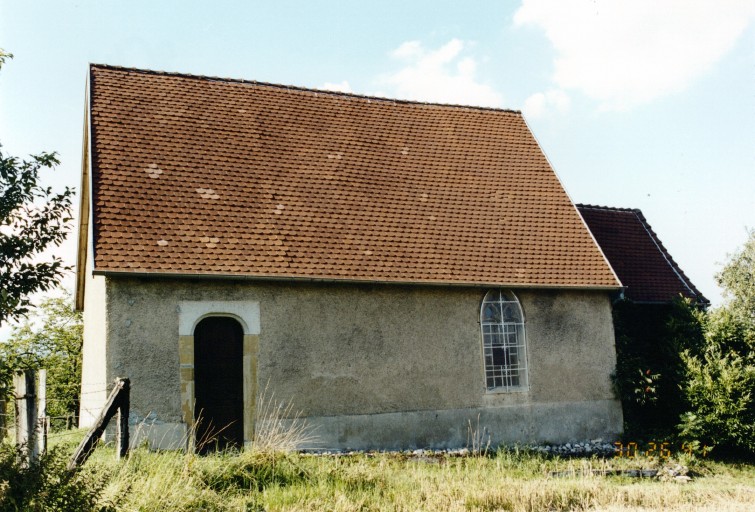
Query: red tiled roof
637	256
197	175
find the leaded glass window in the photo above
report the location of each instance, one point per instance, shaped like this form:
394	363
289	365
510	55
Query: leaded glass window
503	341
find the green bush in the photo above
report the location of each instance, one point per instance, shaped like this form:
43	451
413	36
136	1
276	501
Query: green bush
46	485
721	393
720	382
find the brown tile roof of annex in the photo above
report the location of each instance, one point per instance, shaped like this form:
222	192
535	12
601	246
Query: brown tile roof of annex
637	255
207	176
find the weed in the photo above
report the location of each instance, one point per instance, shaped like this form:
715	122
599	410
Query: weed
46	484
478	440
278	427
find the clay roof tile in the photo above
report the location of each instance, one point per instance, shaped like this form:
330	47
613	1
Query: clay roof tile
219	176
637	255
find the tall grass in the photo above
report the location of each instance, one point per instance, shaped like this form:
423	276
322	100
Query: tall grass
506	480
270	476
222	480
478	438
278	427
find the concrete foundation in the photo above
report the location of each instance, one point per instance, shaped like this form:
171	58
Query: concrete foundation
453	428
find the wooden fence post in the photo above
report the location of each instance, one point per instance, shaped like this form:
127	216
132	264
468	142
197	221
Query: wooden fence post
3	410
41	425
25	383
117	402
124	405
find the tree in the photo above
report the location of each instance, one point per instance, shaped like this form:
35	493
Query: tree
738	281
51	339
731	327
33	220
720	386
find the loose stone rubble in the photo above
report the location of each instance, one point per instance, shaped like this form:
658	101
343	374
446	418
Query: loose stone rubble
594	447
669	472
578	449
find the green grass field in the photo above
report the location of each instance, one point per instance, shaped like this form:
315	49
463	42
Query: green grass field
506	480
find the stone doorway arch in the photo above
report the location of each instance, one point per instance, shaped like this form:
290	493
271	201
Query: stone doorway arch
247	315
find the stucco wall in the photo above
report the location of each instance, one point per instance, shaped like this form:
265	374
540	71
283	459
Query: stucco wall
94	378
359	360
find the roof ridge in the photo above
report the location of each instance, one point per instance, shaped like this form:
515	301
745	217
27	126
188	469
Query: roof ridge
607	208
638	217
299	88
669	259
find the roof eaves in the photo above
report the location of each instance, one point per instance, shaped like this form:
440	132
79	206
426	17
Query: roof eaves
309	279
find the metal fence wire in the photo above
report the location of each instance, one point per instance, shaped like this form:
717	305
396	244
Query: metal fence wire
34	428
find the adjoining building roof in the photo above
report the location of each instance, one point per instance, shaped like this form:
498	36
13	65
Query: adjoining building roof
219	177
637	255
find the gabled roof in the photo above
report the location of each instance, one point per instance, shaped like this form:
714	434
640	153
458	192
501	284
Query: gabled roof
637	255
220	177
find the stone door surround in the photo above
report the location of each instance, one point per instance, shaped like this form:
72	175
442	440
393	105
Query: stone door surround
190	313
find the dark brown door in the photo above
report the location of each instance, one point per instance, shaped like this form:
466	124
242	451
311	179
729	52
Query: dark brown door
218	381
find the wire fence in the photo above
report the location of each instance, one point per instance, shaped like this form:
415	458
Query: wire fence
35	428
57	427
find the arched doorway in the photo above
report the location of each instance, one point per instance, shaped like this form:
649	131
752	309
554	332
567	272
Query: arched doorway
218	377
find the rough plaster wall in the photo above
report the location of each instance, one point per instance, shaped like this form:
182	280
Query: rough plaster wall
372	349
94	377
358	349
570	345
143	345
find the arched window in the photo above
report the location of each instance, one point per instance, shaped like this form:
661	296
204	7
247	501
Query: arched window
503	343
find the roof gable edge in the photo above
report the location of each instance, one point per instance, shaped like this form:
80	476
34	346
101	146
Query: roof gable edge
83	239
301	89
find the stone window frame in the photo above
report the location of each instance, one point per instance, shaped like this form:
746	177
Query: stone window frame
505	338
190	313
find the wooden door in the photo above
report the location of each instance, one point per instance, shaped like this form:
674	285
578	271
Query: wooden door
218	381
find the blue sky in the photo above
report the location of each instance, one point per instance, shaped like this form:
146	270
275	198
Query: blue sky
641	103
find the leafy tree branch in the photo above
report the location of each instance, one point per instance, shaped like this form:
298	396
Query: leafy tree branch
33	220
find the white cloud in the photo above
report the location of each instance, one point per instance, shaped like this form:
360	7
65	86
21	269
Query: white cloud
539	104
443	75
627	52
338	87
408	50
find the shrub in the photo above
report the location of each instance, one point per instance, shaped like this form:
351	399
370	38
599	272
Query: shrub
720	382
721	393
46	485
